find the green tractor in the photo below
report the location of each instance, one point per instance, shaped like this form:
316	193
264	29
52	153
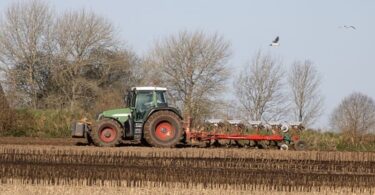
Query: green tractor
148	119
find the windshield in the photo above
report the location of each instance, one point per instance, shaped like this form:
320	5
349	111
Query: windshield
143	99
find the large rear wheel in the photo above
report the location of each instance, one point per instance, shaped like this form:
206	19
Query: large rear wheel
163	129
106	133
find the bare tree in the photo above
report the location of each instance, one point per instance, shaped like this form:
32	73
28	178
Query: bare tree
259	88
304	82
66	60
192	66
25	44
355	116
88	57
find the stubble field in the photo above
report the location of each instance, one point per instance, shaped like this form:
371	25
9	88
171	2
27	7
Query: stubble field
29	166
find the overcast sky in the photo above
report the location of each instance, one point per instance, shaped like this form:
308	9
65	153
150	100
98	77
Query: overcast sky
307	30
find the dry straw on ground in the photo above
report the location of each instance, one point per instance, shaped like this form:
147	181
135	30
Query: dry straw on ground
176	171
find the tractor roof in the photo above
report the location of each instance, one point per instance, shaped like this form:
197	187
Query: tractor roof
149	88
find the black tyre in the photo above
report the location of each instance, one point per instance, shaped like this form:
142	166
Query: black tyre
106	133
300	145
163	129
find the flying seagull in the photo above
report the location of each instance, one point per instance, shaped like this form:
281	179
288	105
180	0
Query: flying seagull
275	42
353	27
347	26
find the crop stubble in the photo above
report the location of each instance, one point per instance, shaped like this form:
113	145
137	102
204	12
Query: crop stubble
241	169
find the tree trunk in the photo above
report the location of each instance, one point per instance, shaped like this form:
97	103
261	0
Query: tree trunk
4	114
73	99
3	101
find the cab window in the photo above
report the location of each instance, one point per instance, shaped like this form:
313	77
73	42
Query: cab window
143	103
161	98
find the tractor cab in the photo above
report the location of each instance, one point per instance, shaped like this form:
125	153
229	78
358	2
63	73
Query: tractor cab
143	99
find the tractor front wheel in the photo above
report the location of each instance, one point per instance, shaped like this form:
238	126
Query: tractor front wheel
106	133
163	129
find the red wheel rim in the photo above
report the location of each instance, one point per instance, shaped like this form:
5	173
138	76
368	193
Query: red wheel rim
164	131
107	134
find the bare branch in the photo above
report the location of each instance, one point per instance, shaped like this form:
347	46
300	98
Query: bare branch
304	82
85	44
259	88
25	44
192	66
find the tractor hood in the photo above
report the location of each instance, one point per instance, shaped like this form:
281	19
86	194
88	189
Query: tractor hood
121	115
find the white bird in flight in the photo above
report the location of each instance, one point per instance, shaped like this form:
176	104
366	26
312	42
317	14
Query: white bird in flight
347	26
275	42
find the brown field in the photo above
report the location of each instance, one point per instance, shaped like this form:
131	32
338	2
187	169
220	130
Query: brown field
41	141
31	165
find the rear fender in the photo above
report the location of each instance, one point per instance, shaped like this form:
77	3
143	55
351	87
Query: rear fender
177	112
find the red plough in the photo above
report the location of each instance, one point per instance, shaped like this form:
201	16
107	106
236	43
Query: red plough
281	135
